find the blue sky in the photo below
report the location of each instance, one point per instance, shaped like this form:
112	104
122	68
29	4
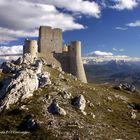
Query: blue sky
102	34
109	26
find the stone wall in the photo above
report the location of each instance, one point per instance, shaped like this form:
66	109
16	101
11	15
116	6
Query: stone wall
50	48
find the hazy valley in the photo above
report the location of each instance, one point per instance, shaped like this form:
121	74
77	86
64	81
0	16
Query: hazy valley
114	72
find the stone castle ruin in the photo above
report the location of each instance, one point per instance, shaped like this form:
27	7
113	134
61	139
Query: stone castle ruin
50	47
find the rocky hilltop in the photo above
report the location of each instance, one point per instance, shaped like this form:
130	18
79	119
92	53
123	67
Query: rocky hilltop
40	101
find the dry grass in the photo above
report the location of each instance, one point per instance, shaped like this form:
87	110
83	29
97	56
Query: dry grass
111	109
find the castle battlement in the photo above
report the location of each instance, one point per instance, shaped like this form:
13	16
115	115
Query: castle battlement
50	47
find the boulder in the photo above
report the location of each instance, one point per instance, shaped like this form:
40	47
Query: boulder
79	102
133	114
44	79
118	87
55	109
29	124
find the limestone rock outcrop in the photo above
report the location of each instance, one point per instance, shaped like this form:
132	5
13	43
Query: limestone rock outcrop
22	85
44	79
38	66
18	61
8	67
28	59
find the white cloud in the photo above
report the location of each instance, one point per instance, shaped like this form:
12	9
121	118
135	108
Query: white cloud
20	18
7	35
103	3
11	50
121	28
118	50
121	50
131	24
78	6
120	56
28	15
10	53
100	53
134	24
106	56
125	4
103	60
100	56
94	57
114	49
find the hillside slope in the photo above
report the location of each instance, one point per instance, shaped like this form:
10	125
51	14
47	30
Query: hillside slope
109	114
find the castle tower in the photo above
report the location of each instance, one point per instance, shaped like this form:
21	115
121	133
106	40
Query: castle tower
57	40
76	64
50	44
50	40
45	41
30	46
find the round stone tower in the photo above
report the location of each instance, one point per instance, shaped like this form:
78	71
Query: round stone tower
30	46
76	64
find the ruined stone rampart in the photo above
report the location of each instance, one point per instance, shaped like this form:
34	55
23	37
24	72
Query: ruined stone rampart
50	47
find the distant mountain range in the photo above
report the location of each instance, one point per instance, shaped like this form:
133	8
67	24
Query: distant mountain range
113	72
111	59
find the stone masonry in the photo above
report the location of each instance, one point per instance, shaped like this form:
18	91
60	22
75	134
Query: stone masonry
50	47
